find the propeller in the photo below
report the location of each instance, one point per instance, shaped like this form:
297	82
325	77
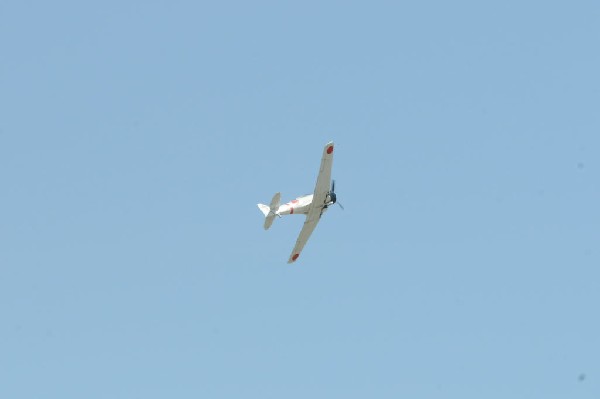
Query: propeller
333	196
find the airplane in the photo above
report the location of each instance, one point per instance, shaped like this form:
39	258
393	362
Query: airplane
312	205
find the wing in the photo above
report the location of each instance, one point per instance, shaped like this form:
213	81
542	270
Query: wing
324	179
312	218
319	197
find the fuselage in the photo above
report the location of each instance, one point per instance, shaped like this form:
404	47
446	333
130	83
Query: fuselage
298	206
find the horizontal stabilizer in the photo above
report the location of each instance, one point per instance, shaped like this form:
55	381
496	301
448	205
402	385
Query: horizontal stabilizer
269	221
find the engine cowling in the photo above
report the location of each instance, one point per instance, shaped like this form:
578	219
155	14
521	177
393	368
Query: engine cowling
331	198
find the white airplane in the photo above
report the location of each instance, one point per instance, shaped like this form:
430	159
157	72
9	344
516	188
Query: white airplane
312	205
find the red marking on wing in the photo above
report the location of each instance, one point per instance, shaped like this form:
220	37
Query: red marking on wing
295	201
295	257
330	149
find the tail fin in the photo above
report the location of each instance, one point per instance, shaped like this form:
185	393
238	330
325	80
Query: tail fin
264	209
270	211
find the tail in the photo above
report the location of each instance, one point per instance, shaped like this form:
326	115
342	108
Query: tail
270	211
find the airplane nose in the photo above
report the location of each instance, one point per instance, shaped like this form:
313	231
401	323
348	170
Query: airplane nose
333	197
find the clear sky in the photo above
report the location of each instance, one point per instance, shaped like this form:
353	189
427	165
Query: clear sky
137	137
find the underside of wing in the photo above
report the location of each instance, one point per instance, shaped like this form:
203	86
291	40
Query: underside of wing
318	201
324	178
312	219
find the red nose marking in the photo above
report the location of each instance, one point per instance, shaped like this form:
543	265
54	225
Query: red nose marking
295	257
330	149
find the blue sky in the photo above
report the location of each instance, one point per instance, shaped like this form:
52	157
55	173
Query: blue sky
137	137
